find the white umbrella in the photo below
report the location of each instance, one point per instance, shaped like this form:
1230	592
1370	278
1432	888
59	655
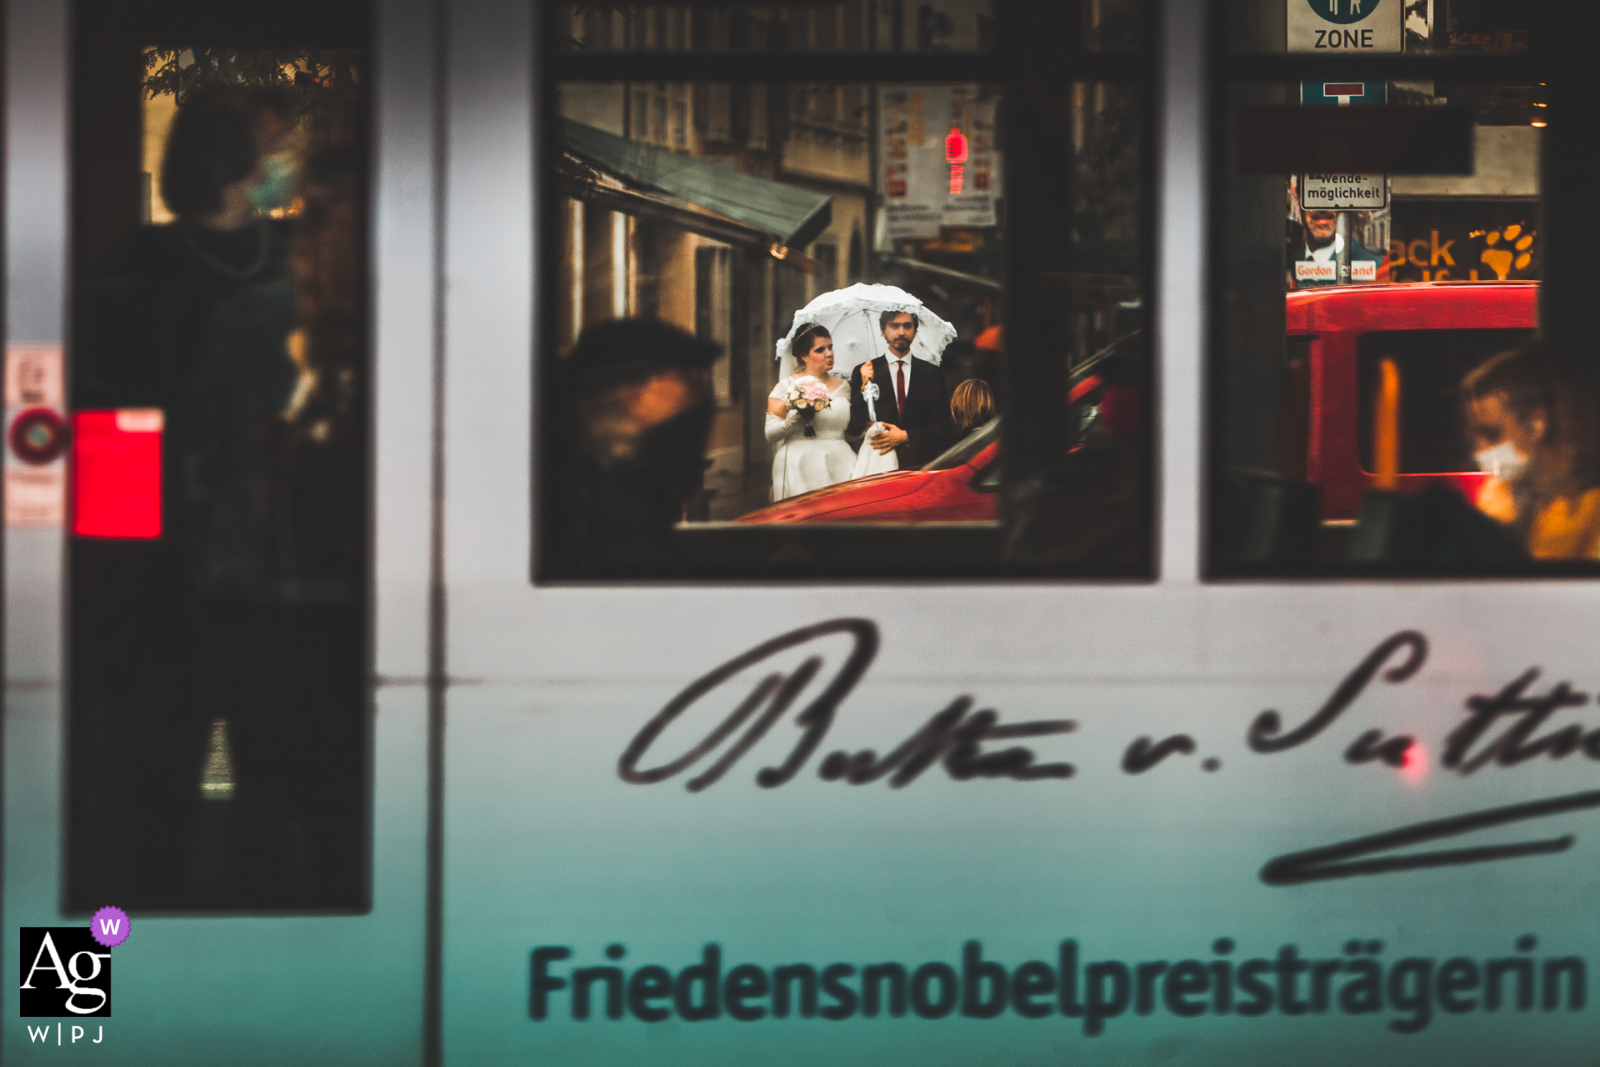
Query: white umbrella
851	316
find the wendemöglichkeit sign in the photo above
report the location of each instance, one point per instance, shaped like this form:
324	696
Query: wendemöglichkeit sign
1344	192
783	859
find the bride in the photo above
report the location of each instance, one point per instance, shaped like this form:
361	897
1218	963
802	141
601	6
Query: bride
801	463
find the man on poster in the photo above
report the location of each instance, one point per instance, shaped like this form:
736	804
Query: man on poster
1314	259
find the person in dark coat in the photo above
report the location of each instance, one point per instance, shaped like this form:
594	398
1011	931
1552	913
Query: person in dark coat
628	446
912	403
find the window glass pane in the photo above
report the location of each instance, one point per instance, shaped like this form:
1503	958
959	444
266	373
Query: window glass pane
1113	25
217	739
851	26
1492	26
784	196
1355	360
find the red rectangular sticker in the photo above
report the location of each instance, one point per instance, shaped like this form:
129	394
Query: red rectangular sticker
116	473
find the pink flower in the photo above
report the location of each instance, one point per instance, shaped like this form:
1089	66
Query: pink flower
815	392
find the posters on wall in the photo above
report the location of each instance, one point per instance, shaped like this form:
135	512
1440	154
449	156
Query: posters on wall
1464	240
937	161
1313	242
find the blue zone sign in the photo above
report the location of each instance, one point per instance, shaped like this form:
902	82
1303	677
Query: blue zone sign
1344	12
1344	25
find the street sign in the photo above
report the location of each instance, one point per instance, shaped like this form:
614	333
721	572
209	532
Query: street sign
1344	25
1345	93
939	168
1344	192
35	474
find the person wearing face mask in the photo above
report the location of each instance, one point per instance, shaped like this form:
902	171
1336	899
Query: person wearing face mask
191	318
1534	429
628	441
145	308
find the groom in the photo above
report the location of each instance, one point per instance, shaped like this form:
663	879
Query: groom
912	402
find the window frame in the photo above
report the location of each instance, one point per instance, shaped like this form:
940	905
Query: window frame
1554	60
1034	426
182	23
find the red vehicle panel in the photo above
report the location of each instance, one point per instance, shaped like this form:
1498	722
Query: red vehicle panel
1333	320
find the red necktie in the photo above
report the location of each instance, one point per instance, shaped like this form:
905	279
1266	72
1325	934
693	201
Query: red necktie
900	386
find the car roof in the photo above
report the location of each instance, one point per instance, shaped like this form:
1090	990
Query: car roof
1414	306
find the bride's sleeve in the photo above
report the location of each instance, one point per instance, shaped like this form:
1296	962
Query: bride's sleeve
778	429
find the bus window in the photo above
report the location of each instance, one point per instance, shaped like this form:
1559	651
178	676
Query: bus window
218	564
947	252
1405	291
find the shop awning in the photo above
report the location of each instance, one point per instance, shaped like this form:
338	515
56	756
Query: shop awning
784	214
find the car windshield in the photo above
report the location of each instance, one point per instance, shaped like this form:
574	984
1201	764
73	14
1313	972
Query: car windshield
969	446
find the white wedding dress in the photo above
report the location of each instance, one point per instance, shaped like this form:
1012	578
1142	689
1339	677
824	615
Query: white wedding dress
800	463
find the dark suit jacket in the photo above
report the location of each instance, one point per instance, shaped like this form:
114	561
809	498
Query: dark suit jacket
926	419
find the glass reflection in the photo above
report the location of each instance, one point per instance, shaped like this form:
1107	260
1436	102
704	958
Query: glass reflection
217	656
839	253
1347	435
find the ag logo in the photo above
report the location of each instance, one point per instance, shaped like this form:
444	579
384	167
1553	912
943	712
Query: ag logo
1343	12
65	973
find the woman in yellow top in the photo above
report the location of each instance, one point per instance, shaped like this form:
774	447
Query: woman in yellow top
1533	426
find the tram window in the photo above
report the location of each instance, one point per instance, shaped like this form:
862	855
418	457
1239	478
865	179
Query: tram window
217	749
1377	246
787	203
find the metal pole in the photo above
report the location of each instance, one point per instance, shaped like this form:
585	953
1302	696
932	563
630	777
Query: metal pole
1341	242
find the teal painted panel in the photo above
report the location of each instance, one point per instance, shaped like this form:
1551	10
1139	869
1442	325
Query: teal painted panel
548	846
274	991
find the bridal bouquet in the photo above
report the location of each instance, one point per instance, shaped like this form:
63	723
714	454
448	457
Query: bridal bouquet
808	396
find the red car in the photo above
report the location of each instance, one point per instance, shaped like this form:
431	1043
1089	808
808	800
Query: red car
962	485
